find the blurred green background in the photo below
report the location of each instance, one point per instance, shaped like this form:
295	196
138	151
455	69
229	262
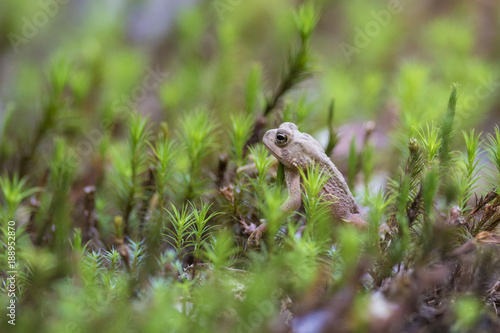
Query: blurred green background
379	60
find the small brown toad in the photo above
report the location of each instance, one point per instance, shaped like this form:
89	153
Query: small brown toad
297	150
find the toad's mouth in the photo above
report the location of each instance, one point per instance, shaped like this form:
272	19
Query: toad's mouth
268	141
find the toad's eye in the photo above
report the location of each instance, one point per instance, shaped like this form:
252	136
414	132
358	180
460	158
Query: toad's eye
281	139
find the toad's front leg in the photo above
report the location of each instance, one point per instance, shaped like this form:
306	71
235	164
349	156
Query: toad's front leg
294	199
291	204
357	220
